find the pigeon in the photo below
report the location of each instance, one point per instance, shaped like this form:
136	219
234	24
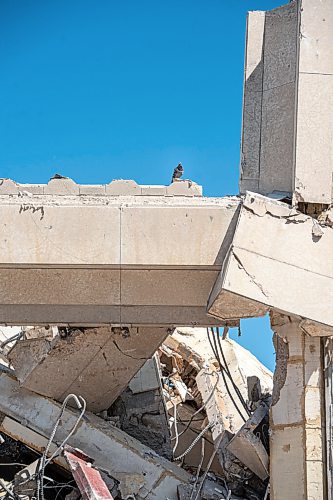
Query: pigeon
178	172
58	176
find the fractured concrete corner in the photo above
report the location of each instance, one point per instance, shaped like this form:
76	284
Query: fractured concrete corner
264	265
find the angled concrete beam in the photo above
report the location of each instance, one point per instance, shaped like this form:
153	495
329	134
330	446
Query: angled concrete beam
279	258
114	451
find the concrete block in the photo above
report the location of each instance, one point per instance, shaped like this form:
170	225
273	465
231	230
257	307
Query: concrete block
184	188
312	407
315	480
254	48
269	100
252	103
150	240
312	361
156	236
248	448
62	187
314	444
59	234
287	459
316	39
153	190
276	136
314	159
280	46
120	187
7	186
290	332
289	409
92	189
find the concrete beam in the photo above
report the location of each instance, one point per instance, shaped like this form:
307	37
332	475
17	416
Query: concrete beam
275	249
110	259
129	462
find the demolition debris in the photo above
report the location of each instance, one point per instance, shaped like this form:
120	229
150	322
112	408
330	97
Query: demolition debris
176	430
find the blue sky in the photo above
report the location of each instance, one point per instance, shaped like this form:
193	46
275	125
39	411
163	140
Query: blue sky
104	89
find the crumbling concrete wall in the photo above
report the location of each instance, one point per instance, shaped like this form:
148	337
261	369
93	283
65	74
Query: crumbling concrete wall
297	421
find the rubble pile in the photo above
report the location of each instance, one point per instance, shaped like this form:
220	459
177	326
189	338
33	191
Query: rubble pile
188	423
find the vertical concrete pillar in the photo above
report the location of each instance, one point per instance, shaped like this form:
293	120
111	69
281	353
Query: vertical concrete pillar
297	414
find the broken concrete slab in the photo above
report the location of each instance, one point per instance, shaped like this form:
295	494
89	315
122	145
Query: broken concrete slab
97	363
248	447
95	437
264	259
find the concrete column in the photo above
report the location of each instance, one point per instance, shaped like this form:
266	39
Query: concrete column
297	414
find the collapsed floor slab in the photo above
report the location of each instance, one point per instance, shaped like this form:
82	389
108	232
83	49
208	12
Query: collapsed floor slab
275	248
125	459
97	363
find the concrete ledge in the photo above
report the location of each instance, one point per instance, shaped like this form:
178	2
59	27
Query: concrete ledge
118	187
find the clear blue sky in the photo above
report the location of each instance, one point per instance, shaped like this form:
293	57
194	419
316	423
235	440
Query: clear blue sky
104	89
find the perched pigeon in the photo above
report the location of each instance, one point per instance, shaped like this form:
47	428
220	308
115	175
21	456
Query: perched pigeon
178	172
58	176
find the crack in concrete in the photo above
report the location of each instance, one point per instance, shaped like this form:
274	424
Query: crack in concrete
272	214
252	278
128	355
